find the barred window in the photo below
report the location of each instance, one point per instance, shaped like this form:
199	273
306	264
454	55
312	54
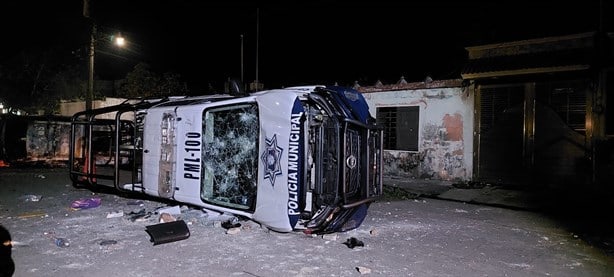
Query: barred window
567	99
400	127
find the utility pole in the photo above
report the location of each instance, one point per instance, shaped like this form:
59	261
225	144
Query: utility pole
242	81
256	85
257	41
90	81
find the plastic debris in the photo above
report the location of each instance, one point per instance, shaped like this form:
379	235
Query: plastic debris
107	242
32	214
86	203
141	215
31	198
374	232
115	214
233	231
169	210
58	241
62	242
136	203
353	242
363	270
231	224
166	217
330	237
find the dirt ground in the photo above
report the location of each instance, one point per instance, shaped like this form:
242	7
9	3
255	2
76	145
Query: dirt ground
416	237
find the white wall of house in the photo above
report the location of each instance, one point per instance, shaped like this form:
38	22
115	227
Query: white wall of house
445	139
69	108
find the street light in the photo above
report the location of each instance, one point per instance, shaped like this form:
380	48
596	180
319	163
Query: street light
119	40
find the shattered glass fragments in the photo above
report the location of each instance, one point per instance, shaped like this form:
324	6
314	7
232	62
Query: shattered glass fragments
230	155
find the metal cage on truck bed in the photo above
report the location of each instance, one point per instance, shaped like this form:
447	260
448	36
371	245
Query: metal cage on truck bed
106	146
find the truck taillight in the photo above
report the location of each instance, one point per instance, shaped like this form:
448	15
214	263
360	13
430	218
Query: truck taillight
166	180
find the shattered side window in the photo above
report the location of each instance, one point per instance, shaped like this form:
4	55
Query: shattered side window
230	156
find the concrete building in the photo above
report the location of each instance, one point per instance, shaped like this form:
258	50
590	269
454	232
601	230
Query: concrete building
541	110
428	128
530	113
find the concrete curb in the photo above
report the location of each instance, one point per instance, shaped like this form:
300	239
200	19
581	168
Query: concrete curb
488	195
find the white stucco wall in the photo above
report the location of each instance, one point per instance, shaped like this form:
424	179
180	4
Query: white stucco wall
445	139
70	108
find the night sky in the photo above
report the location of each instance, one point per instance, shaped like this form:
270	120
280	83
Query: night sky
304	42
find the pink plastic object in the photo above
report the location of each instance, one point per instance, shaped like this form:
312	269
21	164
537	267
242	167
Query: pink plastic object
85	203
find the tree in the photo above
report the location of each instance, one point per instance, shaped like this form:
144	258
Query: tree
36	80
66	84
171	84
142	83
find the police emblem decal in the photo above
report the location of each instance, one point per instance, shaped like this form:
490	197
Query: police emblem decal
271	157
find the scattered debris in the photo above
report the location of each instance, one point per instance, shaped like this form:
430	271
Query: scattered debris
353	242
141	215
363	270
107	242
136	203
115	214
215	216
229	224
330	237
193	216
166	217
86	203
169	210
374	232
62	242
58	241
33	214
31	198
233	231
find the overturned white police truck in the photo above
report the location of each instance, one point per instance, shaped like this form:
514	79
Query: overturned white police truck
300	158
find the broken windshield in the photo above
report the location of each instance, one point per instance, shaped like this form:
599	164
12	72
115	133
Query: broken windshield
230	156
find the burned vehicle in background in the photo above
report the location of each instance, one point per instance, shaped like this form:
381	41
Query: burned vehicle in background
300	158
34	140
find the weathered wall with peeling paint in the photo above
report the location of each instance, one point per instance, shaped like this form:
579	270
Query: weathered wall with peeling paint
446	129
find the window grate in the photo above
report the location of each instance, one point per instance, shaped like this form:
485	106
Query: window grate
400	126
